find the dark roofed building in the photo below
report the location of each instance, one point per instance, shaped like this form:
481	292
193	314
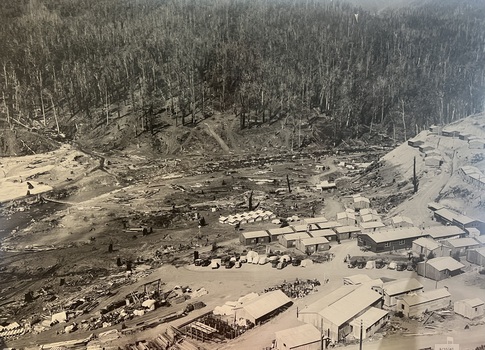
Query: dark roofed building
444	232
392	239
274	233
254	237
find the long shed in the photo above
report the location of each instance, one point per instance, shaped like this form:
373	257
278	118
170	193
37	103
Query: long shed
254	237
264	307
417	304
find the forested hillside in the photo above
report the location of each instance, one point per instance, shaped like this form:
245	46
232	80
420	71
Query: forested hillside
72	63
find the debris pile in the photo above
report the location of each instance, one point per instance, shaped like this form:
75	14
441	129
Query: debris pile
298	289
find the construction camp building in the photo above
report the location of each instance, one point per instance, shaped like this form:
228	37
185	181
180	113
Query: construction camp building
416	304
444	232
304	337
470	308
390	239
275	233
337	310
289	240
460	246
254	237
424	246
439	268
395	290
476	256
372	320
312	245
264	306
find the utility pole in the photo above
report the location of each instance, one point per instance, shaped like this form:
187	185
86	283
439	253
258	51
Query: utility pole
360	338
321	334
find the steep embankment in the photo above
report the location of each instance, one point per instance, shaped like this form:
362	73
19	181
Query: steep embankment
443	184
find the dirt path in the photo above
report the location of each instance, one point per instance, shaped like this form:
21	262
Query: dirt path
217	138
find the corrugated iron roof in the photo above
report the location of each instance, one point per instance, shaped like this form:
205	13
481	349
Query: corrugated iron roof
394	234
314	240
299	336
445	263
427	243
351	305
462	242
255	234
403	285
369	317
443	231
426	297
266	303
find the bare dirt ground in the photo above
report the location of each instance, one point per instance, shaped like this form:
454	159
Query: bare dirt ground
106	199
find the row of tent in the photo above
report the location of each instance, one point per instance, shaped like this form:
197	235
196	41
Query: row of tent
247	217
254	258
12	330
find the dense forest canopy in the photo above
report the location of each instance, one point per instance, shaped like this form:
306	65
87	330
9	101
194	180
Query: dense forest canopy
65	62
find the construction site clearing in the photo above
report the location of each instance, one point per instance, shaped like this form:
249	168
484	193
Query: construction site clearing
121	251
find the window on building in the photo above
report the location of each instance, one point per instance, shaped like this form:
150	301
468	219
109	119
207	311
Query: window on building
388	244
402	306
402	242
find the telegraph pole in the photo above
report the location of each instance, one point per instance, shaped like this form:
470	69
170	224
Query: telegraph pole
361	332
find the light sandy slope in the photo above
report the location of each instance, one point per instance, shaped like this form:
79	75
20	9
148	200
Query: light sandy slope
44	171
439	184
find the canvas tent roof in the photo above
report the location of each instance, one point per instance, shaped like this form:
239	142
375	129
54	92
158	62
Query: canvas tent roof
299	336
